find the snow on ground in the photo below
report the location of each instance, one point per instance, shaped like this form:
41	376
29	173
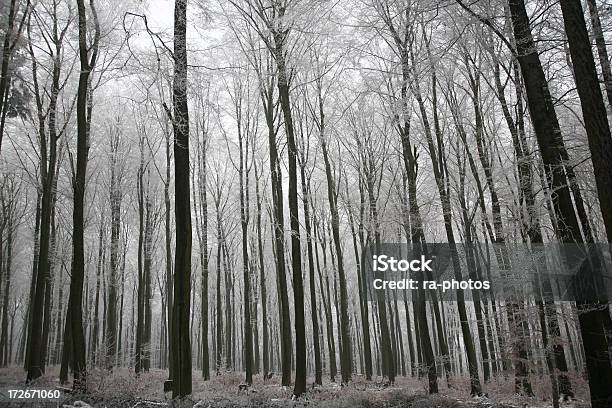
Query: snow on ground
122	388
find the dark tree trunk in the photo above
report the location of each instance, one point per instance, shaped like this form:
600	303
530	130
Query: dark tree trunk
602	50
59	317
244	222
168	255
553	154
360	269
99	272
8	213
44	352
311	272
11	37
66	349
595	320
545	122
388	366
24	348
326	299
120	345
203	238
345	334
48	159
267	97
138	354
181	342
181	348
115	203
438	160
296	252
229	315
75	301
218	313
262	281
593	107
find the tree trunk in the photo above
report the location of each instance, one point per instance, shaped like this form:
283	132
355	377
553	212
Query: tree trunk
115	203
388	366
360	269
75	301
602	50
595	321
203	238
181	348
99	277
244	222
48	159
147	296
267	97
345	334
438	160
218	313
296	253
11	36
262	282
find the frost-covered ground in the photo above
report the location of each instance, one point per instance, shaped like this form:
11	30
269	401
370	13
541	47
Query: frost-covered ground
122	388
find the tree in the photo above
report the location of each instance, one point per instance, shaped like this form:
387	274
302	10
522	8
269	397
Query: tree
181	352
346	368
48	173
279	53
84	111
11	38
202	228
595	321
602	49
115	203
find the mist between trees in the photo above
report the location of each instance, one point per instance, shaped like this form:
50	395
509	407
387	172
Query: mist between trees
196	192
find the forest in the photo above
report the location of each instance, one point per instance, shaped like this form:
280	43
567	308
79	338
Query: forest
191	192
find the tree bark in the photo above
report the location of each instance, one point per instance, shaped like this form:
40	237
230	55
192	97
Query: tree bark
345	334
595	320
78	256
262	281
602	50
115	203
311	273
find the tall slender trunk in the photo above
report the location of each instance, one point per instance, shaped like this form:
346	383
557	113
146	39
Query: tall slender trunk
147	295
296	252
262	281
115	203
218	313
345	333
24	347
138	354
359	249
78	256
48	159
279	236
602	50
168	256
181	348
99	272
388	366
244	222
6	277
438	160
311	272
203	238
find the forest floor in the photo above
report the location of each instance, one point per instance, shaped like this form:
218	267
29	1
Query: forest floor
122	388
